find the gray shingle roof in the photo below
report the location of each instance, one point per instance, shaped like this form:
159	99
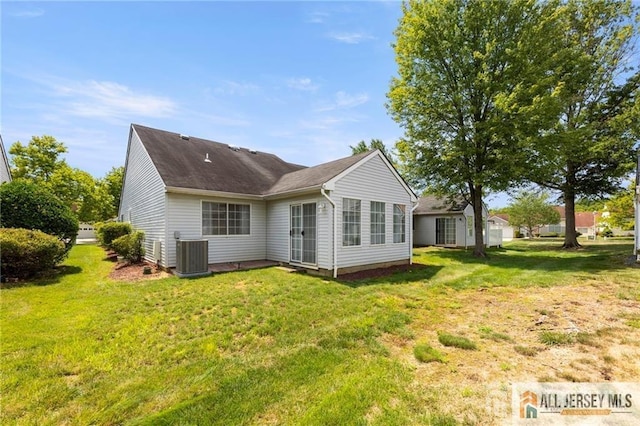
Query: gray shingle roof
181	164
314	176
431	204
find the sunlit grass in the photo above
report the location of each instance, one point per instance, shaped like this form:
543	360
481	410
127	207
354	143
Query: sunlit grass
262	346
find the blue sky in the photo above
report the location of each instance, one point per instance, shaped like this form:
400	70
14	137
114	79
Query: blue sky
303	80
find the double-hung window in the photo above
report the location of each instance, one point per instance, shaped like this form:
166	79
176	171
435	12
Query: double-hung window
350	222
377	222
225	219
399	223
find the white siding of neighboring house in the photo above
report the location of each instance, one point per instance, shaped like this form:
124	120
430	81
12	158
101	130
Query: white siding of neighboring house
372	181
278	227
425	228
143	197
184	215
5	174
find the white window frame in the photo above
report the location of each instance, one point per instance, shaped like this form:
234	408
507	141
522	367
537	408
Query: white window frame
399	223
351	222
377	224
228	225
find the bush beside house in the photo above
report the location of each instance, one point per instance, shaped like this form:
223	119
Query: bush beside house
25	252
107	232
25	205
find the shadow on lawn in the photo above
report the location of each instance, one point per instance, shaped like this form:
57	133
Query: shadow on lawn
47	278
392	275
548	257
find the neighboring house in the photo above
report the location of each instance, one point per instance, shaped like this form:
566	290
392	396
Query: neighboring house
586	224
5	170
501	222
448	223
337	217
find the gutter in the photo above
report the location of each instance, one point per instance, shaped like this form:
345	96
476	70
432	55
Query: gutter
411	231
335	231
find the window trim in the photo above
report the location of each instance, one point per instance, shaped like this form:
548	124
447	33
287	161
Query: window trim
226	234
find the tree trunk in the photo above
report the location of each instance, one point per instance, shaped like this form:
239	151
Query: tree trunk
476	196
570	234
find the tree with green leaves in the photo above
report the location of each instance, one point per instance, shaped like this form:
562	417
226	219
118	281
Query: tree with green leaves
113	182
373	144
620	208
531	210
473	80
590	149
38	160
90	199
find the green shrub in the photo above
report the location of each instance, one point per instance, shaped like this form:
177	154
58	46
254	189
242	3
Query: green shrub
607	233
24	252
109	231
130	246
556	338
25	205
425	353
456	341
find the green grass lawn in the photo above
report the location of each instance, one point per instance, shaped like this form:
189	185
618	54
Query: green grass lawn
271	347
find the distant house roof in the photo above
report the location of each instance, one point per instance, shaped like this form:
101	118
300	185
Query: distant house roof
181	162
431	204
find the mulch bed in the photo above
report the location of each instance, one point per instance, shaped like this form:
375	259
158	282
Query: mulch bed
380	272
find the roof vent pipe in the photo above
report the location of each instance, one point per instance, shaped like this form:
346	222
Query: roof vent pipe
206	158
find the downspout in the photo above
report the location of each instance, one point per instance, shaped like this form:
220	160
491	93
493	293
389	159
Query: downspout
335	232
411	231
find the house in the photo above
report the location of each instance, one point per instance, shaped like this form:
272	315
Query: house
501	222
346	215
442	222
5	170
586	224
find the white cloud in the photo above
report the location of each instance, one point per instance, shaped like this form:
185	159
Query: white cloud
350	37
303	84
343	100
109	100
27	13
317	17
229	87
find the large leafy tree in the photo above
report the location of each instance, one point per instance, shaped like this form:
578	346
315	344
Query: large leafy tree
531	210
113	182
37	160
589	151
473	79
362	146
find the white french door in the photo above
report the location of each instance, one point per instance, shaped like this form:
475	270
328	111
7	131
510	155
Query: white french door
303	233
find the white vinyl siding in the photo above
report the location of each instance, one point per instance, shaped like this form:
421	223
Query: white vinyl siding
143	198
278	227
184	214
399	223
378	222
370	181
351	218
